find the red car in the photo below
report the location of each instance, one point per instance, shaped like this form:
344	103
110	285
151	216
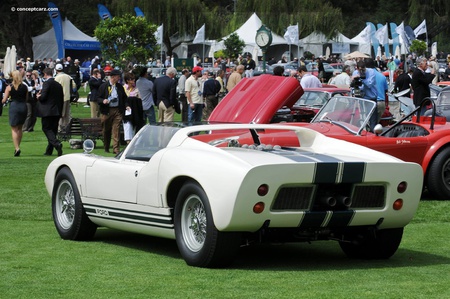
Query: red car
312	100
309	104
424	140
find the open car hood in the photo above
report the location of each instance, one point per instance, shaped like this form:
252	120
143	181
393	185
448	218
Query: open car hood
257	99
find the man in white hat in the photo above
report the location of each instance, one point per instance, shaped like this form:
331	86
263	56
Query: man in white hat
65	81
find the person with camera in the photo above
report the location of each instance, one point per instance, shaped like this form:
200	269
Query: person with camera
111	98
364	80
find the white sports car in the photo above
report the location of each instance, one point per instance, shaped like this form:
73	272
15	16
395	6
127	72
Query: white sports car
214	188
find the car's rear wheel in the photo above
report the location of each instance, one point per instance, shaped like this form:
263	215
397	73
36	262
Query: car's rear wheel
69	216
380	244
438	179
199	241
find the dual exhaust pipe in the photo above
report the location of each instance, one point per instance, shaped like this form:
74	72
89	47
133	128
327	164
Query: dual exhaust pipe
333	201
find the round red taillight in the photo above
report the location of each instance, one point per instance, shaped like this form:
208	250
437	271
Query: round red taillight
263	190
258	208
402	187
398	204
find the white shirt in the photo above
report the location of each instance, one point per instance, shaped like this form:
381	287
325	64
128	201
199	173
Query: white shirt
342	80
310	81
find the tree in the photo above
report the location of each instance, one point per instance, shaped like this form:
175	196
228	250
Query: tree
127	38
17	27
418	46
181	18
233	46
310	15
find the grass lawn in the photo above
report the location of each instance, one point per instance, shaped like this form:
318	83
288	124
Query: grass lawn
36	263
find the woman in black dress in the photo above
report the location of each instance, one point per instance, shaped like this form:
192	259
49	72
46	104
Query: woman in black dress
17	109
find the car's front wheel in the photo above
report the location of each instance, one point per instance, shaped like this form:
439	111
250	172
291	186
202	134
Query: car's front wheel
438	181
69	215
199	241
380	244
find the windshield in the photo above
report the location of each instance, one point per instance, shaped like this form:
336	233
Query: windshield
313	98
351	113
148	141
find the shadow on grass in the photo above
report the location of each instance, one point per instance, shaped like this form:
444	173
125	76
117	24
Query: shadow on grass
315	256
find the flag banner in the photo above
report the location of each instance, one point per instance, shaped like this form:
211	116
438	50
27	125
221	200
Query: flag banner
395	39
103	12
55	16
159	34
367	34
340	48
409	32
406	41
291	35
421	29
374	40
382	35
200	36
138	12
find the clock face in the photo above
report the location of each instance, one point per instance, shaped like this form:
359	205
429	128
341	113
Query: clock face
262	39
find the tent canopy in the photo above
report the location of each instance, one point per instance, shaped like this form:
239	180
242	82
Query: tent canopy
315	42
247	33
45	46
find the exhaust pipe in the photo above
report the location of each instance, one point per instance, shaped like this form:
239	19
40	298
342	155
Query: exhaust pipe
344	201
328	200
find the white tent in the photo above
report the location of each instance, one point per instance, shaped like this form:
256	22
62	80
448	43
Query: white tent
315	42
247	33
45	46
364	47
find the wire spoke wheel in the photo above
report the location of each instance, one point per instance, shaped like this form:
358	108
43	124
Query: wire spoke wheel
65	204
193	223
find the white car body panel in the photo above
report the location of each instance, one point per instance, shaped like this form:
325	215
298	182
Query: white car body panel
134	196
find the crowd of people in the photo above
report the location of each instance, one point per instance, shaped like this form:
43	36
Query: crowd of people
126	99
132	98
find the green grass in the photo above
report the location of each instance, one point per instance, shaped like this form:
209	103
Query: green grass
36	263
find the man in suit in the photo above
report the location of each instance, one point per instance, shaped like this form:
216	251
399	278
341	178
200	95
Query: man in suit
420	82
165	94
49	108
111	98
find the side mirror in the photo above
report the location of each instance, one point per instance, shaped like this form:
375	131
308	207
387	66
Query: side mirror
88	146
378	129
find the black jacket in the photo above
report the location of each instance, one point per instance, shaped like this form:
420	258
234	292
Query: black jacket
103	93
403	81
94	84
420	81
165	89
51	101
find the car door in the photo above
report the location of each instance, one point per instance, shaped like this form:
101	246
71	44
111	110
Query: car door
116	180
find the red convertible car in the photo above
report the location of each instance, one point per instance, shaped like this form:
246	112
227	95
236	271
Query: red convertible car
424	140
309	104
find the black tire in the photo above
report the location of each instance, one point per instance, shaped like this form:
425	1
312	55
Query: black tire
380	244
69	216
438	178
199	242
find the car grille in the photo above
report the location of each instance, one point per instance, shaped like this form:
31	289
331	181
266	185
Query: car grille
294	198
368	196
304	197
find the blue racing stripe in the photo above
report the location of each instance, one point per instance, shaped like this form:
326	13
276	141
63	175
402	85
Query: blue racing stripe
326	173
313	219
341	218
353	172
